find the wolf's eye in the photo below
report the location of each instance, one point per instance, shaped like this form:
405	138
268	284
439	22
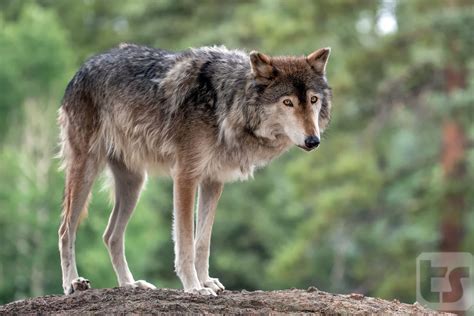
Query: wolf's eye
288	102
314	99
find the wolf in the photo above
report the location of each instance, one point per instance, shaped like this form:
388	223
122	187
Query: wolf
204	116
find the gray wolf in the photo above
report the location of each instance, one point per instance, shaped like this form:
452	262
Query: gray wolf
204	116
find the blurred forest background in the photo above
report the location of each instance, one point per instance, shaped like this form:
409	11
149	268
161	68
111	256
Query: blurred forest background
393	177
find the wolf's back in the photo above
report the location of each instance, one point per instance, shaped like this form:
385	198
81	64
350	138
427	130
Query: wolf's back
126	67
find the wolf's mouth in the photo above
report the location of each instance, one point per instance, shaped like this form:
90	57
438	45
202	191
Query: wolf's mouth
306	148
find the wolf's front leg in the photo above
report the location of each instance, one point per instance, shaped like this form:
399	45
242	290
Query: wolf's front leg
209	194
184	190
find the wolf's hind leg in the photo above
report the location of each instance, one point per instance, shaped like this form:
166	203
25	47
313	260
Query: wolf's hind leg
128	185
208	196
80	175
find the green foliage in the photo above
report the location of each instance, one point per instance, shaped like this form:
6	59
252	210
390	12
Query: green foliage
34	56
352	216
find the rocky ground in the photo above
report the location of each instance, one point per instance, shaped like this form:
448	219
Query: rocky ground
138	301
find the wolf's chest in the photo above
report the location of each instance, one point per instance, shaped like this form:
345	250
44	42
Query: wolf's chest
233	174
239	167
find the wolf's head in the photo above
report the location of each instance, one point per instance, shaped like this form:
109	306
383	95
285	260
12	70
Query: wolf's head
293	96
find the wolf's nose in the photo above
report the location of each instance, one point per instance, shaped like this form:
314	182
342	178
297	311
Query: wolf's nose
311	142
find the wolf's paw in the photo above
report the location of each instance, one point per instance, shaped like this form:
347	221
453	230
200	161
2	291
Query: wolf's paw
201	291
141	284
213	284
78	284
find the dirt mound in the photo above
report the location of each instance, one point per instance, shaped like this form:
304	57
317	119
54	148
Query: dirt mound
137	301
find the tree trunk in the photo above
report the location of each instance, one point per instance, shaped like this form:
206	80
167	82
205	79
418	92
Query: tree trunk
453	160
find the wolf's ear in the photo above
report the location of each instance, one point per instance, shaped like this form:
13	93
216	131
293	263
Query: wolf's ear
261	65
319	59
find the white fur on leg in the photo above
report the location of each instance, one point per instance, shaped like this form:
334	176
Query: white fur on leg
68	265
68	259
128	185
209	193
119	262
187	273
184	190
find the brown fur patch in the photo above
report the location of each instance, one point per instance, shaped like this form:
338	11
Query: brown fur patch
290	65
